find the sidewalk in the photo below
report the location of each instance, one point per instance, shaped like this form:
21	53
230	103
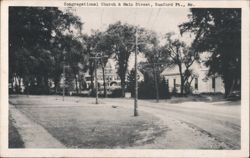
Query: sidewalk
33	135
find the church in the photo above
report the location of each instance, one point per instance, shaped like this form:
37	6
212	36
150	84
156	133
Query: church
201	83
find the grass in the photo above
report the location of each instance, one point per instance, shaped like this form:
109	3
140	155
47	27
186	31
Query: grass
15	140
198	98
94	126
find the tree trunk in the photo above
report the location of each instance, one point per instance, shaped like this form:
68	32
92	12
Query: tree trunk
123	86
104	81
123	89
232	87
16	84
12	84
76	82
92	82
27	88
122	76
19	85
56	86
227	85
182	85
46	83
156	83
182	79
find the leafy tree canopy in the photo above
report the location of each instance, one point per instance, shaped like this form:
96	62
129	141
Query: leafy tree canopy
36	36
219	32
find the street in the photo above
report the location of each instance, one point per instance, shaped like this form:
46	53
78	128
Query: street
218	121
182	125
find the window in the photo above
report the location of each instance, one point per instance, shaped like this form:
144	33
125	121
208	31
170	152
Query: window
174	82
196	84
213	82
167	81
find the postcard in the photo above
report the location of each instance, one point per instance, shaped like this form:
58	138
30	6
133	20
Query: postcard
93	78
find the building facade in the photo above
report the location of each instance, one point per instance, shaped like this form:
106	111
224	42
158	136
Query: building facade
112	78
200	83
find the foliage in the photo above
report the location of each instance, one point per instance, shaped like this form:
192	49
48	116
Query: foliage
103	47
37	38
164	89
116	93
42	40
146	90
154	53
97	43
121	38
157	60
69	80
179	54
218	31
89	42
131	82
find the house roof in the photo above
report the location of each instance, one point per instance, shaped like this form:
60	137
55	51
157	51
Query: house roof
170	71
196	67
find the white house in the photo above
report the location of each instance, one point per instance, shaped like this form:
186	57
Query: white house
200	84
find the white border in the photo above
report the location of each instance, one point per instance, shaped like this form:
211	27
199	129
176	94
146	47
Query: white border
5	152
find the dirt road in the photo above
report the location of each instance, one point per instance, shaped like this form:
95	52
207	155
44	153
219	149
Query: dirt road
203	125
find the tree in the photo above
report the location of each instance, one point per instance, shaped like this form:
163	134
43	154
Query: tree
103	47
91	42
35	46
122	43
69	80
90	45
147	88
122	38
157	60
75	57
183	56
218	31
98	43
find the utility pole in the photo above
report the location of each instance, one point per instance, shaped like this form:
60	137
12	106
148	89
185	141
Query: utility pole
136	79
96	83
136	82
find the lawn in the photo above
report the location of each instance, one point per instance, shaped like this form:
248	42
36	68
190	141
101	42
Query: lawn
86	125
15	140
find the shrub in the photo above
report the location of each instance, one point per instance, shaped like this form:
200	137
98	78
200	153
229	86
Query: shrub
146	90
116	93
164	90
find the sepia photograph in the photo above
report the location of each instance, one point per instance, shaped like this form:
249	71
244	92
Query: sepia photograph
124	77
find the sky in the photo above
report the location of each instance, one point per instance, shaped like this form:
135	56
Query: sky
161	20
